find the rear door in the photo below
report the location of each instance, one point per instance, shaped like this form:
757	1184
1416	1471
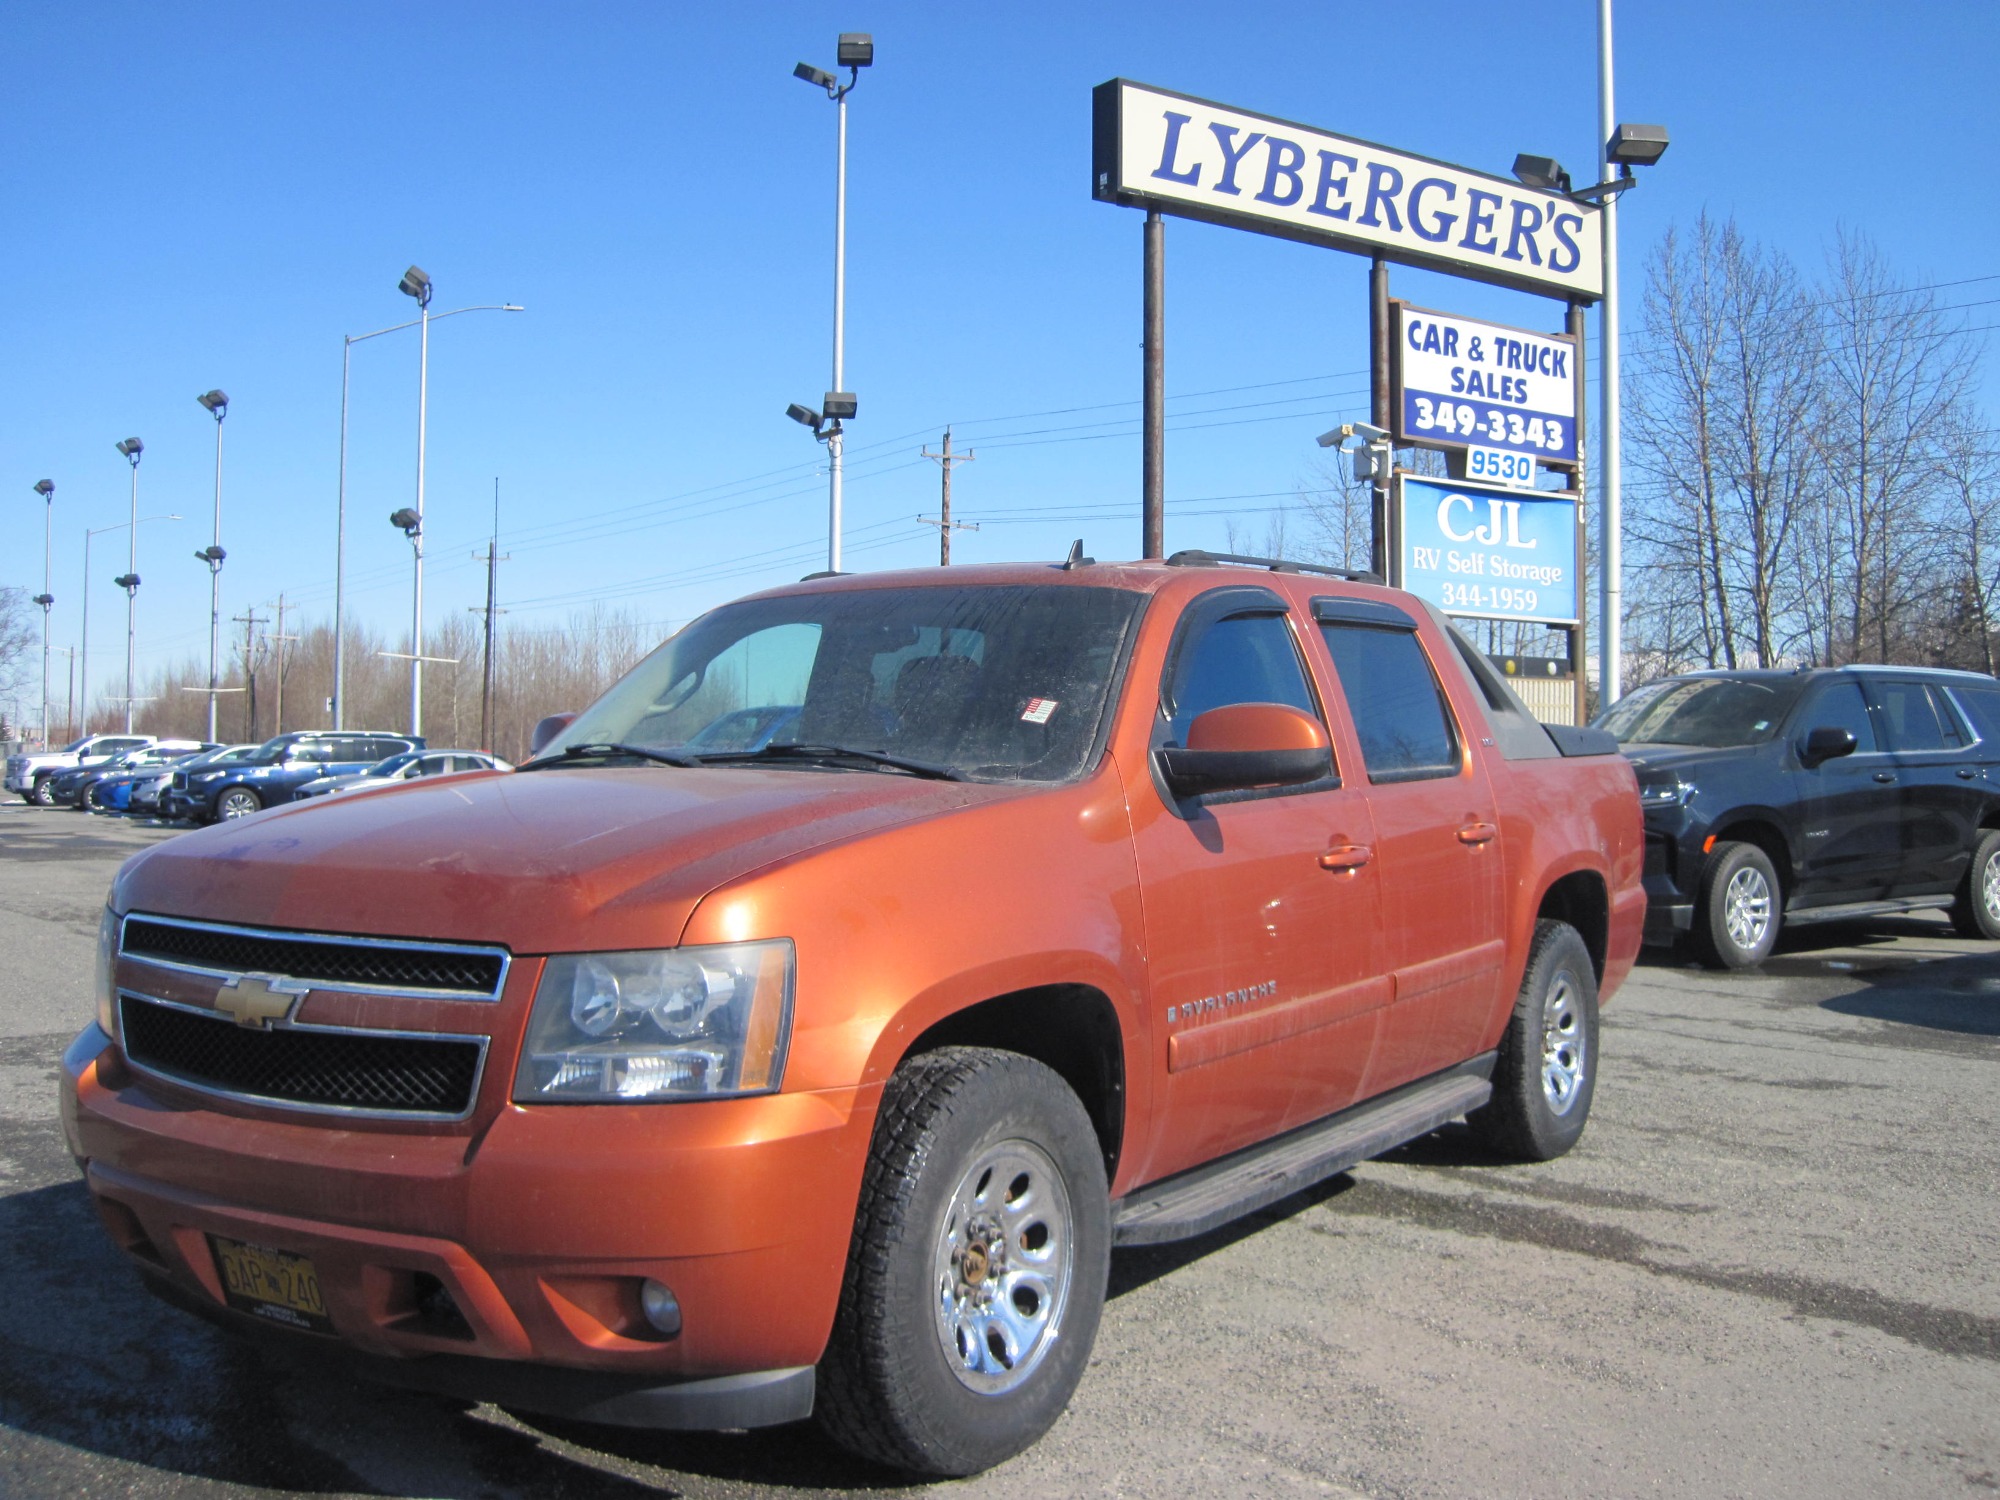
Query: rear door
1940	775
1265	971
1437	841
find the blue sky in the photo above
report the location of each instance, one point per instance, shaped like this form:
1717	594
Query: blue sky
214	195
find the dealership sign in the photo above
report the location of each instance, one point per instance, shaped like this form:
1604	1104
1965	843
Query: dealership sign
1460	382
1151	148
1489	553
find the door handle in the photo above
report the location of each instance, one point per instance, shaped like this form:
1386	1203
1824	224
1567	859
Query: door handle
1346	858
1478	833
1884	776
1965	773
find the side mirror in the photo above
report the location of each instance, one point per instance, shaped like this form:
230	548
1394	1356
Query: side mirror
1244	745
1826	743
547	729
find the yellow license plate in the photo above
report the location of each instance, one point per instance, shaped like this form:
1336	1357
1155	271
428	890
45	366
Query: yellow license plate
271	1284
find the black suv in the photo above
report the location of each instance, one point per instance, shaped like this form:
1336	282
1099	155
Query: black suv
1791	797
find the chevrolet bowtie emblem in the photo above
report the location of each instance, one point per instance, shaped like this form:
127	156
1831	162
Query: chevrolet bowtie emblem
256	1000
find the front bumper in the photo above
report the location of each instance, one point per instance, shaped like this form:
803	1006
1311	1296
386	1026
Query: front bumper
539	1224
179	804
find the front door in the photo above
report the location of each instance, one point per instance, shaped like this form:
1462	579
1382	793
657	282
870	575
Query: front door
1437	842
1848	846
1262	909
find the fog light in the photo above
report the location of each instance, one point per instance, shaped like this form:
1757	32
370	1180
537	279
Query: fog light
659	1306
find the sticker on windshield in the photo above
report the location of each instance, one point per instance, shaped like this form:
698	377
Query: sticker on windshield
1038	710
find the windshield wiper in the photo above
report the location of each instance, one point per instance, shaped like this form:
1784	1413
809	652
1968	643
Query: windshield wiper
575	753
926	768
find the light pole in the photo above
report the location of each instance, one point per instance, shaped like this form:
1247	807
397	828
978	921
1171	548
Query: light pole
348	341
83	648
416	284
855	51
46	488
217	405
131	448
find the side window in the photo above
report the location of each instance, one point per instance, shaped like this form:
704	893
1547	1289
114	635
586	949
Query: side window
1839	705
1399	710
1949	724
1247	658
1982	706
1911	721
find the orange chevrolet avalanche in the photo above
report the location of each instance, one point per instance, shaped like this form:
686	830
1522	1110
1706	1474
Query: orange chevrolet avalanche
815	1065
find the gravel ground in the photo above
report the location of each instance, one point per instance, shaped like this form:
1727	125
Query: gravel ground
1767	1271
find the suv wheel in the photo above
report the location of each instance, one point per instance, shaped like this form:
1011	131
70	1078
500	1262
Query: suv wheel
1547	1071
977	1271
44	794
87	799
237	802
1736	921
1975	910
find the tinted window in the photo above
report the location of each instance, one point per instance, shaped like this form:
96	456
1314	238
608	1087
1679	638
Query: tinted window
1399	711
1713	711
377	748
1955	735
1982	707
1242	659
1912	722
1839	705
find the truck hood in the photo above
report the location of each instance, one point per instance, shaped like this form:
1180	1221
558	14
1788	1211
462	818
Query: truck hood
542	862
1665	761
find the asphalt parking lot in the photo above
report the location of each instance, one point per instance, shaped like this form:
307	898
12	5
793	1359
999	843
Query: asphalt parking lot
1769	1269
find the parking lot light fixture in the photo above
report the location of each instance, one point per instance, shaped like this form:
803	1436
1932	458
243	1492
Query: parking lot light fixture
216	403
131	448
46	488
805	416
1636	145
1541	172
416	284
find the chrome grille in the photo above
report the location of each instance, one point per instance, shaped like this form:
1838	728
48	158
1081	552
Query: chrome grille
373	964
325	1068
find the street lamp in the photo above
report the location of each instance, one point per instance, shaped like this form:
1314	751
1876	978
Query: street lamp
46	488
131	448
83	648
855	51
348	341
416	284
217	405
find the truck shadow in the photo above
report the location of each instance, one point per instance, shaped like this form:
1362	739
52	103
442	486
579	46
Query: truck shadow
99	1379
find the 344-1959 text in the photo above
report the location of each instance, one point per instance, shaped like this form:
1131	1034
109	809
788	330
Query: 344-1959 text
1490	596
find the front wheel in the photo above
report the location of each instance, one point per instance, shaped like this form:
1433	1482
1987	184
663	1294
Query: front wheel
1736	922
1546	1074
1975	909
44	794
976	1275
237	802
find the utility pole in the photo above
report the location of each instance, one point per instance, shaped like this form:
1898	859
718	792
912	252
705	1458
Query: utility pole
249	622
279	640
493	561
69	704
945	525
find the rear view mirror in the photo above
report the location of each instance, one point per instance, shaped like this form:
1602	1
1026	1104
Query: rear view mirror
547	729
1244	745
1826	743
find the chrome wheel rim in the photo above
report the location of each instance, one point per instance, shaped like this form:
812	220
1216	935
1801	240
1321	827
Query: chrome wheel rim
1002	1267
1746	907
236	806
1565	1048
1989	889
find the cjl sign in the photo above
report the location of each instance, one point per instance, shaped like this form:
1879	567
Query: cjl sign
1489	553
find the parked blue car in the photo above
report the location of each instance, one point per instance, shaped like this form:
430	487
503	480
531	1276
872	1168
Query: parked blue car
270	777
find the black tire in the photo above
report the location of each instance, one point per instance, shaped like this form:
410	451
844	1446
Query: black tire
1546	1075
1738	885
889	1388
1975	910
44	794
236	802
86	800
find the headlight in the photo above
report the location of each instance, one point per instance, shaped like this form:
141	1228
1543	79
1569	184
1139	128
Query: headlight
673	1023
1665	794
107	962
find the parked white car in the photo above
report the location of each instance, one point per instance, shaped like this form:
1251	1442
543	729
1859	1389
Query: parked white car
29	775
408	766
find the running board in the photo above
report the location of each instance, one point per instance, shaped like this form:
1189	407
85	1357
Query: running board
1854	909
1209	1196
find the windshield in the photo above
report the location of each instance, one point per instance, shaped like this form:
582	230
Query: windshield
393	764
1716	712
996	683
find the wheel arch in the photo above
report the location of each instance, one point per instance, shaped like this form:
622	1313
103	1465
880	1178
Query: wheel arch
1766	835
1582	899
1073	1029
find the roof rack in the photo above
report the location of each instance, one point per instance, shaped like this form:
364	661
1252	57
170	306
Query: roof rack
1199	559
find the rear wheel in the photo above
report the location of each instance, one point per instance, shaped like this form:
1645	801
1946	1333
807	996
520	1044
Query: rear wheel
1975	910
1546	1074
1737	919
237	802
977	1270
